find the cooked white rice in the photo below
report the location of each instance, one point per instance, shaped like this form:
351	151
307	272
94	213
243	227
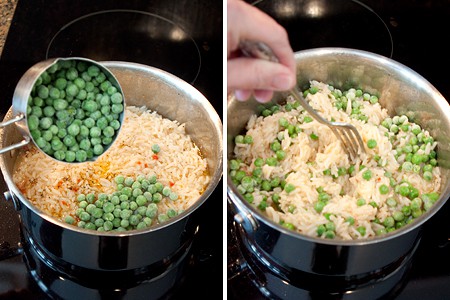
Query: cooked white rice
53	186
305	162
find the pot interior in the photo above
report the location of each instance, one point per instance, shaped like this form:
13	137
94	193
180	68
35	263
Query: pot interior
400	89
159	91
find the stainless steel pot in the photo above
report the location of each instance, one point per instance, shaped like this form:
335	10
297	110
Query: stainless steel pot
402	91
136	251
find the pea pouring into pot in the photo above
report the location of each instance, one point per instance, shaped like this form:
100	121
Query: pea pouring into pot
71	108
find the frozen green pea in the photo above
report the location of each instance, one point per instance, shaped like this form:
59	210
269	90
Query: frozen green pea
108	207
35	134
137	192
42	92
49	111
148	221
56	144
70	156
72	90
141	200
33	122
90	226
141	225
47	135
37	101
104	85
157	197
84	131
93	71
166	191
90	105
71	74
85	216
54	93
73	129
96	115
108	225
69	220
134	220
116	98
128	181
111	90
80	82
152	178
60	104
151	211
101	77
37	111
171	213
89	122
82	95
61	83
80	155
102	123
95	141
136	184
156	148
45	122
109	131
107	140
117	108
105	100
162	218
105	110
99	222
159	186
69	140
98	149
74	148
95	132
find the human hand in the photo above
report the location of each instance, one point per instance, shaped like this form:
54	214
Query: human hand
247	76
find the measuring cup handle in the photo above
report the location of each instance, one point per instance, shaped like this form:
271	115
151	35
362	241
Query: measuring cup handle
26	139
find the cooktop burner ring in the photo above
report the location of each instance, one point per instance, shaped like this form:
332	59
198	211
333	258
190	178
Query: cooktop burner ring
145	37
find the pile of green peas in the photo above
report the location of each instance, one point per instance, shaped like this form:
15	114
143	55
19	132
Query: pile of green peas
134	205
73	111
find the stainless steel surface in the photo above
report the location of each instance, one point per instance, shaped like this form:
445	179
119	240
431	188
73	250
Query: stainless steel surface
22	93
347	134
171	97
402	91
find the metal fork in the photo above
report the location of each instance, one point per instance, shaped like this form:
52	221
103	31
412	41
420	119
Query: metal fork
347	133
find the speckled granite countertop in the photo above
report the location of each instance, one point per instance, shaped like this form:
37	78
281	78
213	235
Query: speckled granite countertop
6	13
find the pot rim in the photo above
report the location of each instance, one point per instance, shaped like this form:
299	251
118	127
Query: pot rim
215	176
244	207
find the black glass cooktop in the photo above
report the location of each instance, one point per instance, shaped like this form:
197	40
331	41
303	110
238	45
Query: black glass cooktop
181	37
409	32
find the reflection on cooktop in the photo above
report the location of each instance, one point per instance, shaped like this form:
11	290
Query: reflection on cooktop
330	23
148	38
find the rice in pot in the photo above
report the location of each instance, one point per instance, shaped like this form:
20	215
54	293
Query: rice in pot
53	186
294	170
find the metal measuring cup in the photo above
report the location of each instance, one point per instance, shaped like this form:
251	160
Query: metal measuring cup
23	91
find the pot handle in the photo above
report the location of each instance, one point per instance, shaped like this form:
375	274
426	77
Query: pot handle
26	139
243	217
7	251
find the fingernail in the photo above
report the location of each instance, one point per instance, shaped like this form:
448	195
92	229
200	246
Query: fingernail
282	82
